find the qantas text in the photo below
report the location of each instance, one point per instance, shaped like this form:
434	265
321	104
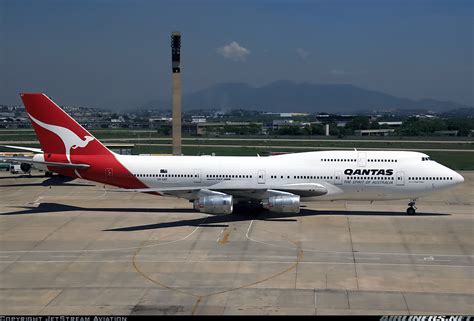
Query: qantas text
368	171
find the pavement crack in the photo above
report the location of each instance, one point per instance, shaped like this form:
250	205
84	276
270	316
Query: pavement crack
406	304
353	252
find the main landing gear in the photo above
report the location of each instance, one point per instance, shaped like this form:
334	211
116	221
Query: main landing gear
411	210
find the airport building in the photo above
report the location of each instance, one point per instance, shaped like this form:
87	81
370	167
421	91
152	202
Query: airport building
374	132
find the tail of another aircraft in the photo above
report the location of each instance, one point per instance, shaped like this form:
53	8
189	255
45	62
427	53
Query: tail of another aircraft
72	147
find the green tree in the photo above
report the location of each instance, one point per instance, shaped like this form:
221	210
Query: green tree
317	129
358	123
463	125
290	130
415	126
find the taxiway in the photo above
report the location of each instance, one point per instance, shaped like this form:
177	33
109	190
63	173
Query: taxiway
73	248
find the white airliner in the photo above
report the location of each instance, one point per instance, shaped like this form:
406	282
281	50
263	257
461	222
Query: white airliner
214	184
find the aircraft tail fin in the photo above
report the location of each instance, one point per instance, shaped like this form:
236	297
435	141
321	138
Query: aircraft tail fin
69	149
57	132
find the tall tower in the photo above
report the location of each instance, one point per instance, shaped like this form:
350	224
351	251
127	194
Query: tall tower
176	69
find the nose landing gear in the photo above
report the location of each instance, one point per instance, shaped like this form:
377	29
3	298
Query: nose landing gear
411	210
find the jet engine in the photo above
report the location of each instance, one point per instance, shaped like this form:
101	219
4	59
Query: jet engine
25	167
214	204
282	204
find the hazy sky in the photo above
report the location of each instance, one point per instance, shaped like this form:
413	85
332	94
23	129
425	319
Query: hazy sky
117	53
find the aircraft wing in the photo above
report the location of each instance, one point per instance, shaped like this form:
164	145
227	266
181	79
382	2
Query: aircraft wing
237	189
258	191
39	162
30	149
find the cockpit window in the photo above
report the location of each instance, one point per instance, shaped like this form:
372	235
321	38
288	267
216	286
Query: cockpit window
425	159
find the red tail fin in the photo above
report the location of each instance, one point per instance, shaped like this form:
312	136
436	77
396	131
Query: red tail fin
57	132
63	140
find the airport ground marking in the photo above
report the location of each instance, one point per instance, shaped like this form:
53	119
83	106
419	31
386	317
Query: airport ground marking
66	255
223	236
248	230
269	244
432	259
218	238
351	253
102	250
199	297
367	258
237	261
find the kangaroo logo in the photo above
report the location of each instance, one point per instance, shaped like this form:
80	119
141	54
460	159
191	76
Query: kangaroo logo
68	137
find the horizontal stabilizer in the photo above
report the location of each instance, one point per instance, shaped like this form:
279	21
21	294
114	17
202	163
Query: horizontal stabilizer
30	149
54	164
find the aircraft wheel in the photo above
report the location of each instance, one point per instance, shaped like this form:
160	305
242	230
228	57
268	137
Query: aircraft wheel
411	211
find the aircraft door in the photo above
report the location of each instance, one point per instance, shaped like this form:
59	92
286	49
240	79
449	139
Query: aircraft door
338	178
197	176
400	178
361	159
261	177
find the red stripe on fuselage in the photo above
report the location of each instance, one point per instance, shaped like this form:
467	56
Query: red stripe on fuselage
104	169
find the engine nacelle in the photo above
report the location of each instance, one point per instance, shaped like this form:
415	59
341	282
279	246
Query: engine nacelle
25	167
282	204
214	204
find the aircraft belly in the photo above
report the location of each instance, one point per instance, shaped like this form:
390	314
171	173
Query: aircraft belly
368	193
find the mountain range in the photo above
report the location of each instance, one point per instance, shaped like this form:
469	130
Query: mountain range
288	96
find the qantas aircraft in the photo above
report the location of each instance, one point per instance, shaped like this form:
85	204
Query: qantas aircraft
215	184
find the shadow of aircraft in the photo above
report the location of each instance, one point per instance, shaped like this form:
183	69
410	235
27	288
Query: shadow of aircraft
44	208
211	220
21	176
56	180
261	216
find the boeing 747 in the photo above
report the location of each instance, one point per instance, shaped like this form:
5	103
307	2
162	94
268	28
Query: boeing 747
215	183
